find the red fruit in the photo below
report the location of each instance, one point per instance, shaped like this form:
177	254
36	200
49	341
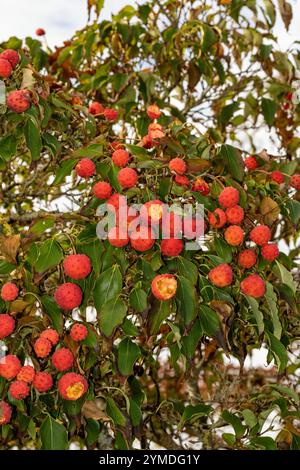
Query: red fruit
26	374
51	335
164	286
85	168
116	201
111	114
277	176
42	347
155	131
190	228
253	285
40	32
235	215
234	235
76	101
221	276
270	252
68	296
96	108
115	145
217	218
5	413
251	163
18	101
5	68
78	332
171	225
12	57
142	239
247	259
201	186
120	158
260	235
295	182
62	359
72	386
229	197
77	266
10	366
9	292
19	390
127	178
7	325
42	382
153	111
102	190
152	211
182	180
147	142
178	165
118	237
171	246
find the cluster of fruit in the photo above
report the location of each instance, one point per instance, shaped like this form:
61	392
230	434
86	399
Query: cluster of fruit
251	163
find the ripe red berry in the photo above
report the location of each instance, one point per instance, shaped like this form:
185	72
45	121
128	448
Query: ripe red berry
270	252
18	101
116	201
235	215
229	197
42	382
153	111
234	235
253	285
199	185
251	163
171	246
295	182
76	101
247	258
142	239
72	386
5	68
147	142
96	108
9	292
260	235
40	32
77	266
85	168
10	366
277	176
152	211
12	56
19	390
115	145
26	374
120	158
42	347
155	131
68	296
164	286
221	276
217	218
172	225
118	237
102	190
7	325
182	180
62	359
5	413
78	332
110	114
127	178
178	165
51	335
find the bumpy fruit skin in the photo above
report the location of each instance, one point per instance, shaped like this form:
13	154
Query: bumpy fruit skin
235	215
234	235
260	235
295	182
217	218
62	359
5	68
164	286
12	56
153	111
270	252
19	390
155	131
18	101
192	228
221	276
78	332
42	382
40	32
51	335
115	145
10	366
42	347
5	413
277	176
9	292
72	386
178	165
102	190
152	211
116	201
120	158
200	186
229	197
96	108
85	168
247	259
68	296
171	246
26	374
142	239
110	114
7	325
182	180
127	178
77	266
254	286
172	226
118	237
251	163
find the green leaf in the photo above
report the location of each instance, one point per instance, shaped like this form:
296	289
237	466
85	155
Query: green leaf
192	413
111	315
233	160
8	147
6	268
269	110
114	412
271	299
279	352
128	353
227	112
286	391
223	250
294	210
249	417
135	413
209	320
186	299
264	442
235	422
54	312
108	286
188	269
137	151
209	37
190	342
286	277
92	431
50	254
138	299
54	435
158	313
93	250
229	438
33	139
257	314
64	170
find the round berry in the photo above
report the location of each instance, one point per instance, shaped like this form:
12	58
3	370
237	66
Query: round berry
42	382
79	332
171	246
260	235
7	325
62	359
77	266
96	108
102	190
26	374
182	180
178	165
118	237
12	56
229	197
277	176
120	158
85	168
9	292
18	101
42	347
247	259
10	366
142	239
5	68
254	286
68	296
164	286
270	252
19	390
217	218
127	178
234	235
221	276
153	111
5	413
235	215
251	163
295	182
72	386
